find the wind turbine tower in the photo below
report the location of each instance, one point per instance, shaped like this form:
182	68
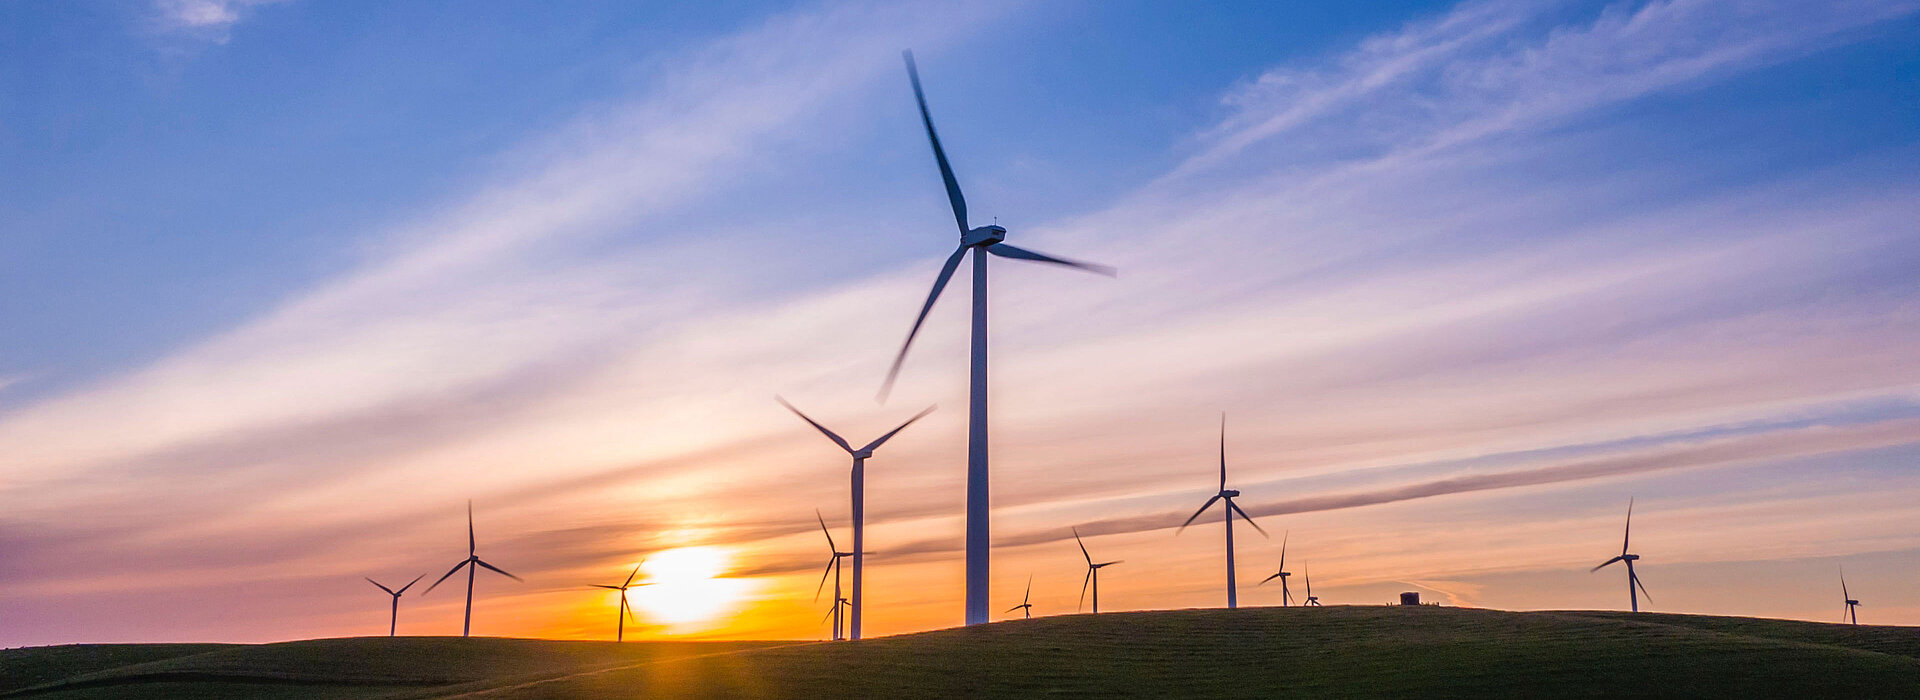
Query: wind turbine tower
859	499
983	241
1227	495
471	564
1633	579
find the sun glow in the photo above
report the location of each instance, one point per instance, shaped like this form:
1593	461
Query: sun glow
684	587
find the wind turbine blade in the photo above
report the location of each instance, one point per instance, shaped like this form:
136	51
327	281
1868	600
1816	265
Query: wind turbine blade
1643	588
602	585
1016	607
1249	519
1111	563
498	570
471	546
903	426
1264	581
1083	546
823	530
954	197
1309	578
636	572
1196	514
1609	562
1628	537
415	580
1008	251
837	440
1843	586
1223	450
377	583
627	608
823	578
939	283
455	570
1083	589
1028	596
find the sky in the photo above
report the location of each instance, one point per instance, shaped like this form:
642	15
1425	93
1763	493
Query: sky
286	284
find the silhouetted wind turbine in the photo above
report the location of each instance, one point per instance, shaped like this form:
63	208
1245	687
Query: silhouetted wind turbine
1851	615
1633	579
1093	574
833	569
1311	599
393	623
1226	494
859	497
471	563
1286	596
1026	605
985	239
626	609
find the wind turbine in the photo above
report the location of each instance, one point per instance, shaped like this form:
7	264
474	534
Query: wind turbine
1312	600
833	569
983	240
859	498
1026	605
1227	494
1286	596
1851	615
393	623
1633	579
1093	574
471	563
626	609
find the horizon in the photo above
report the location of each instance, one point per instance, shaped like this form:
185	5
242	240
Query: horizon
287	286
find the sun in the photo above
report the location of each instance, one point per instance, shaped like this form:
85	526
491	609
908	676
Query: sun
685	588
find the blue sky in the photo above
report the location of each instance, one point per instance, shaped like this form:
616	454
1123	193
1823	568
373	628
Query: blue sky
262	259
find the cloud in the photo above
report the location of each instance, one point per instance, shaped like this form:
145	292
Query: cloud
208	19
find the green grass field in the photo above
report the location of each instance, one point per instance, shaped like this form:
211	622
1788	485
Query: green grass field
1337	651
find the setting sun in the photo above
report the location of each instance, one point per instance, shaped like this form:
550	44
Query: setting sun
684	587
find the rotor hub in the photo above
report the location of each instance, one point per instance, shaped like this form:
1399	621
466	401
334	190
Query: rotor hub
1630	557
1229	493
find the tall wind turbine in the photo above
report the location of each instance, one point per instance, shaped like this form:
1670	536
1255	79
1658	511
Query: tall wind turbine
1026	601
393	623
626	609
1286	596
1093	574
472	564
833	569
989	240
1633	579
1227	494
1312	600
1851	615
859	498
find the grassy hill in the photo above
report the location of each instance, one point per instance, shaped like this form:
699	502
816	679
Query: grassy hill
1258	652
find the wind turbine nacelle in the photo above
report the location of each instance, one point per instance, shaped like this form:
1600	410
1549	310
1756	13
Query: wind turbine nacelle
985	235
1229	493
863	454
1630	557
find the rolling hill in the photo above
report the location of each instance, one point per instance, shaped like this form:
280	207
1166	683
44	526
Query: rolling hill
1338	651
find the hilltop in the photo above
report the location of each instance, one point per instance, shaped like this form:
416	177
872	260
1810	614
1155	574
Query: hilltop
1339	651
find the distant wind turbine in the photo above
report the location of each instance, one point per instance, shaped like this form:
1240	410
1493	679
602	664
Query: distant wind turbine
393	623
626	609
1226	494
990	240
1311	599
1093	574
859	498
1851	614
1026	605
1286	596
833	569
472	563
1633	579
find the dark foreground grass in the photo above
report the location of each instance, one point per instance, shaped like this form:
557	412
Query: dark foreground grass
1262	652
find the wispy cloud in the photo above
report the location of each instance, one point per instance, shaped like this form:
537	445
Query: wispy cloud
211	20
